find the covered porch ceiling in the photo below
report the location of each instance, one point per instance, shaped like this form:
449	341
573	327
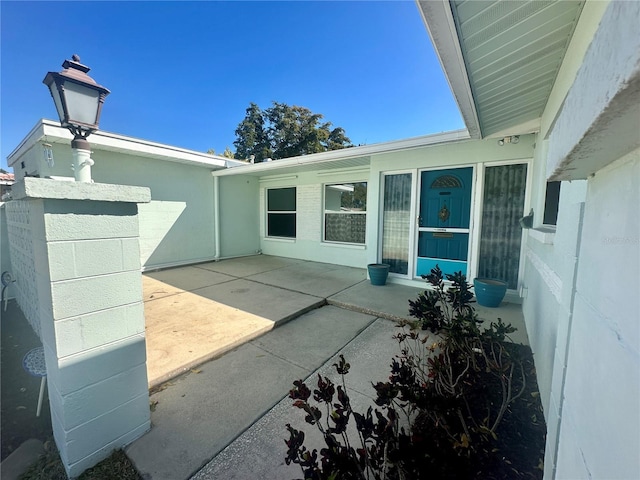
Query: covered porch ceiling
501	57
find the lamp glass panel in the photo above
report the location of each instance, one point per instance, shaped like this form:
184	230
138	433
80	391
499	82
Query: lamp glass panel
82	103
57	100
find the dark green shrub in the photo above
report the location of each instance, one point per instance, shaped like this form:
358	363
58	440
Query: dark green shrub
440	412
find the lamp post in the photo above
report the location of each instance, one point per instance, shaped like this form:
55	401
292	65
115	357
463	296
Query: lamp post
78	99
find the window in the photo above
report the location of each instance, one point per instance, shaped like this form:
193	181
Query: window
345	212
551	202
281	212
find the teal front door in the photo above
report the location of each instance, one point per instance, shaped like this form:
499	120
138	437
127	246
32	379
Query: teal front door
443	222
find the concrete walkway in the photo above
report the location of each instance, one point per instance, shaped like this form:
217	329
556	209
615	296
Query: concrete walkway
226	418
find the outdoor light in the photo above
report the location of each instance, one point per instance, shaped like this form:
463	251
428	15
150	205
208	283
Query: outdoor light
78	99
512	139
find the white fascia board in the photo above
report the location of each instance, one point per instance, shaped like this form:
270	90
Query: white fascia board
441	26
324	158
34	135
100	140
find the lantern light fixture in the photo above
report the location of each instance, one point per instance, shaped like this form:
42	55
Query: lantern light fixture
78	100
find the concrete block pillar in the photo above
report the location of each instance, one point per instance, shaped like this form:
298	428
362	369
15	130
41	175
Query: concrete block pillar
87	280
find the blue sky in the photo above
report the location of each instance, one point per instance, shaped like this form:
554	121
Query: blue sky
183	73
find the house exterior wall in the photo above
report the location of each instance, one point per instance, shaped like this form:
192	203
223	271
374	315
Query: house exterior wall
239	221
309	244
602	387
581	278
462	153
177	226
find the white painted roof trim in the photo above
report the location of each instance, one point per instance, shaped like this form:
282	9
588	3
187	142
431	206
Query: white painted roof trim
346	153
440	24
52	132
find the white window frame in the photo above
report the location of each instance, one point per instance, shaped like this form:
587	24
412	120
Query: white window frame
268	212
325	212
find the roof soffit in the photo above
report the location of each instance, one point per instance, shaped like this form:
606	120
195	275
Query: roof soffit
510	53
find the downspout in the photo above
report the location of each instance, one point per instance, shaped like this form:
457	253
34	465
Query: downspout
216	216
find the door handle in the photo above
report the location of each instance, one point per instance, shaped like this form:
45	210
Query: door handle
418	220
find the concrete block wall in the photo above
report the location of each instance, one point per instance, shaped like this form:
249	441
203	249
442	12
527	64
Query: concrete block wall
23	261
599	435
551	357
5	263
89	296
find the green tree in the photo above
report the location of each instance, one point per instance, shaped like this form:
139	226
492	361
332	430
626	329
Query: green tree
284	131
228	153
251	138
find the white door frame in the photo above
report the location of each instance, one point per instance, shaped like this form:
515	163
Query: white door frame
471	260
475	223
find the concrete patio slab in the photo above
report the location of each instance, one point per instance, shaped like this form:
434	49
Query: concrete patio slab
272	303
16	464
319	279
201	413
169	282
390	301
197	415
186	329
315	334
245	266
260	451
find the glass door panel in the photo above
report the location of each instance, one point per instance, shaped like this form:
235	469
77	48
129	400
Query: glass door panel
501	234
396	222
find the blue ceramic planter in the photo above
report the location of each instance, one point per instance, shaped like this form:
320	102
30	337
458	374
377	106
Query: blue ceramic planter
489	292
378	273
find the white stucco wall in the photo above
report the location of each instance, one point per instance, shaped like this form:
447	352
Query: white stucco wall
239	222
177	226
